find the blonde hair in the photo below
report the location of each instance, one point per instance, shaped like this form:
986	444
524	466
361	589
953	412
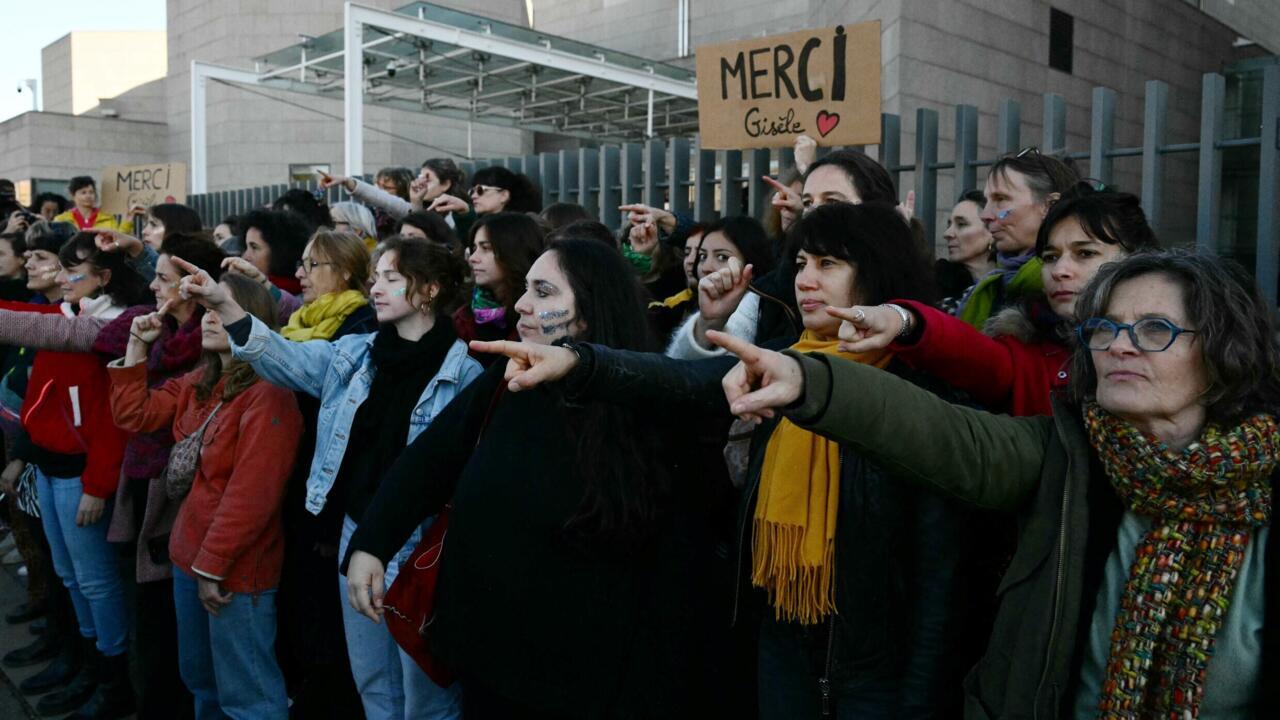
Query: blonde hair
347	253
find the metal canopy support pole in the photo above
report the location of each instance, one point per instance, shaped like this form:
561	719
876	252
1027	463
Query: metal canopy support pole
1269	186
353	90
891	146
1213	96
678	174
1102	134
648	126
201	73
1153	134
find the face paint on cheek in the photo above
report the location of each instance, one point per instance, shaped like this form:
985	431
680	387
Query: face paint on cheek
399	292
76	278
1004	214
549	319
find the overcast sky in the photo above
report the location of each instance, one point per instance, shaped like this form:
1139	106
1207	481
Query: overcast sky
30	25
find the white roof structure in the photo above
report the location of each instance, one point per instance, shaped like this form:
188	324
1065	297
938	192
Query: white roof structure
431	59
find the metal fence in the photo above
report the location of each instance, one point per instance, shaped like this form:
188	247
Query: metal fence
707	183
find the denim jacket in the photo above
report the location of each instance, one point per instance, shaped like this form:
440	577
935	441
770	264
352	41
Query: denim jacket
340	374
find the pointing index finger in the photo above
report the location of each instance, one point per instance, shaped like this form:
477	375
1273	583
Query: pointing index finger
744	350
184	265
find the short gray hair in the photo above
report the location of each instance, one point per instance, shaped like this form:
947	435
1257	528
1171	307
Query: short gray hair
1235	327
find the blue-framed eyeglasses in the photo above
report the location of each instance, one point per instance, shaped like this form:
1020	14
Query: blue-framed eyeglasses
1148	335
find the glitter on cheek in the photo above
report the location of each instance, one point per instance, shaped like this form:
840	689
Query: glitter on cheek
1004	214
399	292
77	277
553	314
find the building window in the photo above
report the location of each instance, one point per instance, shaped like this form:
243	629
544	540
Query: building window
1061	40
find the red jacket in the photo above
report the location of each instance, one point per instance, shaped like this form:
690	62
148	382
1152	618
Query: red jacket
66	410
1004	373
229	526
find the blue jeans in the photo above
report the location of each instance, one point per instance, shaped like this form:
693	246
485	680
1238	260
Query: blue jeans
789	685
391	685
85	562
228	662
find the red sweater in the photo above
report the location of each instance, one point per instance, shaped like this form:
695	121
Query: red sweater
66	411
229	526
1003	373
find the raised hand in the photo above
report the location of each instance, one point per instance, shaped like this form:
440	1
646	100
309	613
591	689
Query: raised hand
449	204
240	266
529	365
200	286
761	382
147	328
866	328
638	214
907	208
17	222
418	189
327	181
643	238
784	198
720	292
366	584
806	152
115	241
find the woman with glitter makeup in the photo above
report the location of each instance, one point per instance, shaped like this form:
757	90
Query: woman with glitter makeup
574	580
383	389
500	250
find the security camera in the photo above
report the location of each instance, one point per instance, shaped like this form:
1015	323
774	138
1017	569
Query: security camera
21	87
391	68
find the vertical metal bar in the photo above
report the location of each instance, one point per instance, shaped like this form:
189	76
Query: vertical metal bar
731	184
353	92
549	172
757	192
515	164
926	176
1102	134
468	167
199	136
610	193
891	146
589	180
678	175
1269	186
568	190
655	172
1009	127
632	172
966	174
1213	98
786	158
1054	139
531	167
704	181
1153	134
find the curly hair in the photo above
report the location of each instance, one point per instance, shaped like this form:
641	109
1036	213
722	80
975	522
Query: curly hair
1234	326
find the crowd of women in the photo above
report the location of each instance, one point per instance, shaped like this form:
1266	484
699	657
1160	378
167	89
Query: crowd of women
783	467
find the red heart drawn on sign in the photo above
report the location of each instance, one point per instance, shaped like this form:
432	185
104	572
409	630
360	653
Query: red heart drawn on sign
827	122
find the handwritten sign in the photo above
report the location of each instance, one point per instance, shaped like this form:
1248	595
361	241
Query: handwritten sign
124	186
766	91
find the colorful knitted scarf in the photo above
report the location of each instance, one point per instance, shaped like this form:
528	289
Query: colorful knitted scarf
486	309
1205	502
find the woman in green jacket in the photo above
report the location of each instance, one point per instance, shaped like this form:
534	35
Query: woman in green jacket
1145	580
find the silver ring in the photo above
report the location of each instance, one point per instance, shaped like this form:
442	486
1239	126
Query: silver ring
859	315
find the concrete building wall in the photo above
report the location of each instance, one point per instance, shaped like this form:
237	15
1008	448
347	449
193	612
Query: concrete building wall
106	64
57	145
55	70
255	133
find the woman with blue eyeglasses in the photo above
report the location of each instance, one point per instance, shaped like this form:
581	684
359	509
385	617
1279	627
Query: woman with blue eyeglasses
1023	359
377	392
1145	579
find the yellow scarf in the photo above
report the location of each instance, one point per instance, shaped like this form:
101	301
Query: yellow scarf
794	531
673	301
321	318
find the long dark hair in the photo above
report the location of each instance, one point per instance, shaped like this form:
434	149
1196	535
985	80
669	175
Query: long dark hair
869	178
176	218
423	262
525	196
1108	216
126	287
749	237
517	241
285	232
447	171
617	452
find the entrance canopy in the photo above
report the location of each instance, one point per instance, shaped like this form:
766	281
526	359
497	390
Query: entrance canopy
430	59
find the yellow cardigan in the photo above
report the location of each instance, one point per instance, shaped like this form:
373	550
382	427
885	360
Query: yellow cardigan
104	221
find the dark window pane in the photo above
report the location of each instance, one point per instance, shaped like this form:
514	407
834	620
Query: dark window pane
1061	41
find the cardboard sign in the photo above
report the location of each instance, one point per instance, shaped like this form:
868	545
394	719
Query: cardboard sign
767	91
124	186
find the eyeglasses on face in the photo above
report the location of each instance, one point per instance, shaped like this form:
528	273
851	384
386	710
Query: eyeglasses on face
481	190
1148	335
308	266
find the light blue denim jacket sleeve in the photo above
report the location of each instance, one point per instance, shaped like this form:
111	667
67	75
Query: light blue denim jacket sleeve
300	366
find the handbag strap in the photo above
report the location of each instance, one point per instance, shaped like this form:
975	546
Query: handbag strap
205	424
